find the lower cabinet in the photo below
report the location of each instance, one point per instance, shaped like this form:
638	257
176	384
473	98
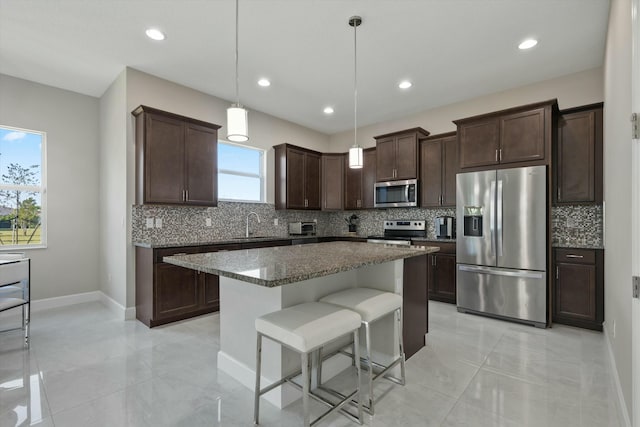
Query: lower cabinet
441	273
579	287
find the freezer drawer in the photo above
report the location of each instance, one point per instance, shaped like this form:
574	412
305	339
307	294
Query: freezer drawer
515	294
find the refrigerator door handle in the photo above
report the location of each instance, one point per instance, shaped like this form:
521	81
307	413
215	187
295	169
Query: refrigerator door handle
499	230
492	216
501	272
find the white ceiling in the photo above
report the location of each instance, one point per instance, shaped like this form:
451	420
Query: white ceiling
450	49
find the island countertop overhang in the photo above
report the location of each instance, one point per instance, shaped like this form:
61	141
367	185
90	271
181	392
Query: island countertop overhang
282	265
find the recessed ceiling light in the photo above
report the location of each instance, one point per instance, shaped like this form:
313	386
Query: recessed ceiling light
155	34
264	82
528	44
328	110
406	84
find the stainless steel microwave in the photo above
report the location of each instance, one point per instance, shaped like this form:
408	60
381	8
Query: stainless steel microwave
396	194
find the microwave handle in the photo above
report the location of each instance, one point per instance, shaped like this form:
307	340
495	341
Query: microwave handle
406	192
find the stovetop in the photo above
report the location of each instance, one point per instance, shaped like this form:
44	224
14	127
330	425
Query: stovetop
395	229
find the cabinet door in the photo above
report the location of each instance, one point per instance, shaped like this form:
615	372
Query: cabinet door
313	181
163	160
407	157
210	290
576	291
575	168
385	159
201	158
176	290
353	186
295	179
332	181
522	136
450	162
368	178
431	165
478	143
442	278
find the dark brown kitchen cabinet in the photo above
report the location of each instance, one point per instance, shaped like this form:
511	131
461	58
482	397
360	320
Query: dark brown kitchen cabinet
333	177
579	287
176	159
438	167
441	274
519	135
298	177
578	156
359	183
397	154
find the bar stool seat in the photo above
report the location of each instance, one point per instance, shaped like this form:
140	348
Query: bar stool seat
372	305
305	328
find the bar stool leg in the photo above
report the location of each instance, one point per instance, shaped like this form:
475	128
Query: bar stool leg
356	353
401	343
256	403
304	359
367	332
319	368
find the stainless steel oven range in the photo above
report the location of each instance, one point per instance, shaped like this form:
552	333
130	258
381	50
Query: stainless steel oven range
400	232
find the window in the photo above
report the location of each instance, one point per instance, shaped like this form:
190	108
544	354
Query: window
240	173
22	188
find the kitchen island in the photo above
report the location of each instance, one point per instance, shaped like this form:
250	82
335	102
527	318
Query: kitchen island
255	282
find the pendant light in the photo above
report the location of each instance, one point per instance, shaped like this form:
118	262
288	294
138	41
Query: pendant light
355	152
237	127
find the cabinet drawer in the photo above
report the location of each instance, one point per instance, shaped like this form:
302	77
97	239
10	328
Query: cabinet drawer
576	256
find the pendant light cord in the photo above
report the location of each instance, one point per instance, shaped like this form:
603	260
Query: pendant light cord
237	78
355	86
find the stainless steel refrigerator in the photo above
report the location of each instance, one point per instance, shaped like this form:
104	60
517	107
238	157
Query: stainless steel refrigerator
501	250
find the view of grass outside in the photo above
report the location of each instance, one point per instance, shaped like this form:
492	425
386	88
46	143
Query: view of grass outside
21	187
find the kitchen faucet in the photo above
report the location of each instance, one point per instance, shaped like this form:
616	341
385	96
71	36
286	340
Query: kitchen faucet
246	234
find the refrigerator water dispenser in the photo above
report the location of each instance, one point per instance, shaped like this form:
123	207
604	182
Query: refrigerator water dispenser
473	221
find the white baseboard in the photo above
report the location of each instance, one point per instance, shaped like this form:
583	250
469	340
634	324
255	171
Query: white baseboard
623	414
93	296
55	302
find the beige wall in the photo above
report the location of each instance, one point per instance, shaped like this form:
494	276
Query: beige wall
69	264
113	230
572	90
617	190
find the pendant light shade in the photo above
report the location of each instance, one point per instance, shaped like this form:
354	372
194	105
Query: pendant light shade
237	124
355	152
355	157
237	128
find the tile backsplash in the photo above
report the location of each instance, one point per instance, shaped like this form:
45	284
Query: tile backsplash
576	225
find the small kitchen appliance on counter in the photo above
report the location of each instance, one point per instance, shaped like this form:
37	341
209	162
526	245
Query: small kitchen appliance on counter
302	228
445	227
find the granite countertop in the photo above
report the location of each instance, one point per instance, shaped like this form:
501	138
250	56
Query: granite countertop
431	239
282	265
222	241
575	245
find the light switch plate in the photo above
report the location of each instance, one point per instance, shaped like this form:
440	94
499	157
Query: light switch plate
275	221
158	222
149	222
207	222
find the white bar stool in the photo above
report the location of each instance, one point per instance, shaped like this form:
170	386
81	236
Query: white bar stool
305	328
372	305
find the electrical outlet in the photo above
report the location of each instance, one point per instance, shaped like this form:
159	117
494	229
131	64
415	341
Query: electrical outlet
571	222
275	221
208	222
158	222
149	222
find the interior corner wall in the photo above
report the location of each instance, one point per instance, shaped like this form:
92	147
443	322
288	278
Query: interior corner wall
617	190
572	90
265	131
113	230
69	263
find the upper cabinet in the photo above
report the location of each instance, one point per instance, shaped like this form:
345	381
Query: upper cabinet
176	159
518	135
298	177
578	156
397	154
438	167
333	176
359	183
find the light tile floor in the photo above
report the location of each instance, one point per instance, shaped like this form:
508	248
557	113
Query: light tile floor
88	368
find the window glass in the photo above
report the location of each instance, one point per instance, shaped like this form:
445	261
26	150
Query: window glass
22	188
240	173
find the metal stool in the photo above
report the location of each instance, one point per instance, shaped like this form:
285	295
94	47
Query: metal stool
305	328
371	305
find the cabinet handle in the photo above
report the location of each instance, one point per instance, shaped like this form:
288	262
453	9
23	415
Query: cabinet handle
183	198
557	273
574	256
500	156
496	154
186	195
441	200
433	261
306	203
559	194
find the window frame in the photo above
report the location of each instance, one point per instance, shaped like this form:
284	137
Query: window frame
262	173
42	189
